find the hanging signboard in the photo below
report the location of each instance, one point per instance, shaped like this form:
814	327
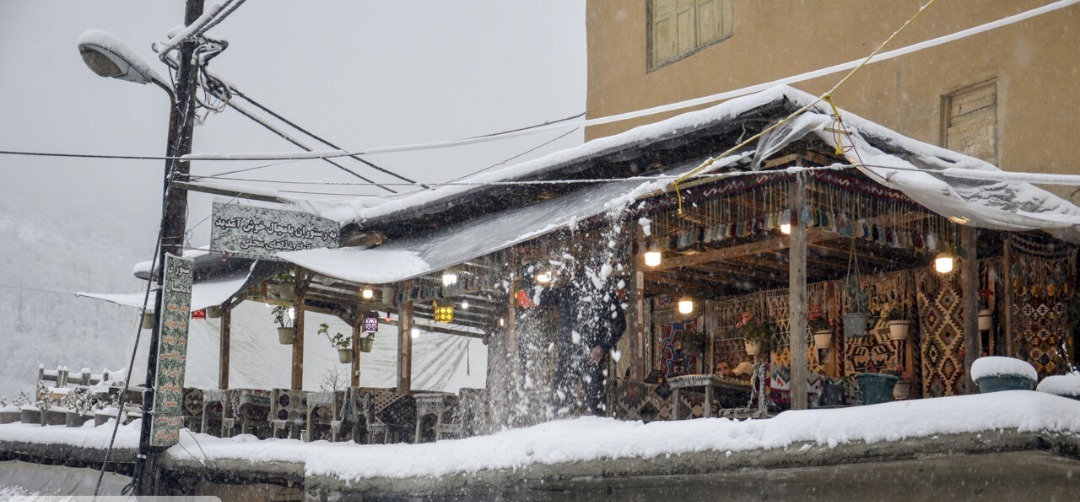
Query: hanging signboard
261	232
172	351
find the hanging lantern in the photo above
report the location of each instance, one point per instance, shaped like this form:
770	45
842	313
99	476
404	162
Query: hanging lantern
686	306
943	264
367	293
371	322
544	277
444	314
449	278
785	228
653	258
464	304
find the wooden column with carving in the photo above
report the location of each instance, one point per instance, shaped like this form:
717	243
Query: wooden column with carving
405	325
969	291
357	331
797	297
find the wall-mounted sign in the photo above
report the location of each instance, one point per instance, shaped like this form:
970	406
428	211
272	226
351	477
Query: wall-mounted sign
261	232
371	322
172	351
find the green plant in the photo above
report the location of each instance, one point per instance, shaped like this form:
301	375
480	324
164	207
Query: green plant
339	340
818	324
896	313
691	340
754	331
281	316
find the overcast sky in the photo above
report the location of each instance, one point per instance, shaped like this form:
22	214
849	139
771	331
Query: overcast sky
361	74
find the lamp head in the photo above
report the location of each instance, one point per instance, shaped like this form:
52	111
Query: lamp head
107	56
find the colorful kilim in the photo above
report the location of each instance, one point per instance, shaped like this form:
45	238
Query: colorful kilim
875	351
1041	287
940	322
674	362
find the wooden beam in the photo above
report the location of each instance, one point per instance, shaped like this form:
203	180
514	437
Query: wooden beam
405	324
969	291
797	311
224	344
195	187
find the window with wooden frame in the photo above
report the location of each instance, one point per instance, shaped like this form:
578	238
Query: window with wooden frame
678	28
969	121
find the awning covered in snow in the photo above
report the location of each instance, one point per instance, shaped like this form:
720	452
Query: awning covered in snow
204	294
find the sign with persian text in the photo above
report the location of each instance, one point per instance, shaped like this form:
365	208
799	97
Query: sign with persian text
172	351
260	232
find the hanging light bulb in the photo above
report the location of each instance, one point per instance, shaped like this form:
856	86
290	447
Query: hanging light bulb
943	263
464	304
415	332
367	293
686	306
653	258
502	322
544	277
449	278
785	228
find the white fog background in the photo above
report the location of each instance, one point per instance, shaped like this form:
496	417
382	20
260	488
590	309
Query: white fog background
360	74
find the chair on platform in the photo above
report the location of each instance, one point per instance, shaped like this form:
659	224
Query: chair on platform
250	413
288	412
192	409
322	413
390	416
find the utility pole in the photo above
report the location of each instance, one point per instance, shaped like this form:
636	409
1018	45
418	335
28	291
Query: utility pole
173	222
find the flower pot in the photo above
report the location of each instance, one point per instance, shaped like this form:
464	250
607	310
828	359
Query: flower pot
822	339
752	348
986	320
855	324
73	419
30	415
901	391
345	355
366	343
876	387
10	416
286	335
998	383
148	320
898	329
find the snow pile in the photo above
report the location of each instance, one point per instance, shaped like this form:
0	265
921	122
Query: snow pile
1061	385
592	438
1002	366
86	436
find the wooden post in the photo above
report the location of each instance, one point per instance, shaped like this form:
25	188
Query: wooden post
797	297
969	291
639	326
405	325
298	344
1006	275
224	344
357	329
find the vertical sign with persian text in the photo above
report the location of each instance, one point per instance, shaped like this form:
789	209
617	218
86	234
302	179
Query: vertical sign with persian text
172	351
261	232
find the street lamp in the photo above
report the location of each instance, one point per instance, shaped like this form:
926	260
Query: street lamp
106	56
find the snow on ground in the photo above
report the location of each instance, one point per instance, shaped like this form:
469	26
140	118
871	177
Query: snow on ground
593	438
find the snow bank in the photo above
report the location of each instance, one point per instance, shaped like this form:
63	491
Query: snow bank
86	436
592	438
1061	385
1000	366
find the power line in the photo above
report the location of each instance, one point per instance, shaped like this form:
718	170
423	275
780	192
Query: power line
86	155
526	152
24	288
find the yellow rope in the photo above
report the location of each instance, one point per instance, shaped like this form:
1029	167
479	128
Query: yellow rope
708	162
840	122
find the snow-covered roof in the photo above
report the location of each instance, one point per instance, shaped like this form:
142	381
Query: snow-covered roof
203	293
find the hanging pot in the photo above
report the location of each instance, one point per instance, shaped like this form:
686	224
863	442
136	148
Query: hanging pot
286	335
148	320
213	312
822	339
898	329
366	343
345	355
284	291
752	348
855	324
986	320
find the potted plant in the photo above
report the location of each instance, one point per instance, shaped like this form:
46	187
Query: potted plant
876	387
897	320
342	343
692	341
147	319
78	403
986	310
756	335
822	330
996	373
286	331
902	389
855	317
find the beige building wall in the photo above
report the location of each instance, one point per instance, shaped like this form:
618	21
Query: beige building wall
1036	66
